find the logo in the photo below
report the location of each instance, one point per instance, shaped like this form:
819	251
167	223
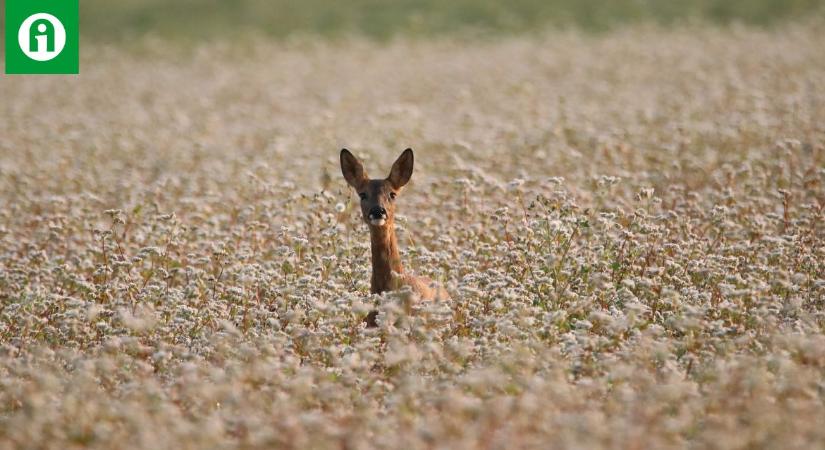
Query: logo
42	37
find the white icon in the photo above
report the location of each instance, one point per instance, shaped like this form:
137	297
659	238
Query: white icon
41	37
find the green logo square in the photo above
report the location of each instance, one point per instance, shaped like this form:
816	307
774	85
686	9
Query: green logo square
42	37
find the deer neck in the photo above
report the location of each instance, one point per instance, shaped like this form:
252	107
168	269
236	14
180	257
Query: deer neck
385	257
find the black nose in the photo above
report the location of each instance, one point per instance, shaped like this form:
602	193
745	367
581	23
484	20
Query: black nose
377	212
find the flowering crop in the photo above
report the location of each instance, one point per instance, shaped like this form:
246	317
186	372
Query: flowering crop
631	228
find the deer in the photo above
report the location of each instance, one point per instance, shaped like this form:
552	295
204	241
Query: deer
377	197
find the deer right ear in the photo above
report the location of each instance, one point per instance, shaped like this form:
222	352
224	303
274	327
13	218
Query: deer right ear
402	169
352	169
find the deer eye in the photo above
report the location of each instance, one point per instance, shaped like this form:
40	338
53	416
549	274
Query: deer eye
392	195
363	195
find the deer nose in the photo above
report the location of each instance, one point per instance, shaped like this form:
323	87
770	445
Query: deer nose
377	212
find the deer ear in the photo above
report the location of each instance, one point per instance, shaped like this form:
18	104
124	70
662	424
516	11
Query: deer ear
352	169
402	169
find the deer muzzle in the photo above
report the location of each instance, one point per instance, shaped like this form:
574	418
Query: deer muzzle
377	216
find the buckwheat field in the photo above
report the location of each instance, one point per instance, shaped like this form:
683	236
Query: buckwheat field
630	225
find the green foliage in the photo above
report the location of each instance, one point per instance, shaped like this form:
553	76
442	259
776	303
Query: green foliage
197	19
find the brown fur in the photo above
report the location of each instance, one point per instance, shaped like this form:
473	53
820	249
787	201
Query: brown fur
386	261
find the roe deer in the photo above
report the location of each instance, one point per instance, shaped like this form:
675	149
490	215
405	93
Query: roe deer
378	211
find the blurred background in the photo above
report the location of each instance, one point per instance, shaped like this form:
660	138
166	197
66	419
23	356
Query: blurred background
107	20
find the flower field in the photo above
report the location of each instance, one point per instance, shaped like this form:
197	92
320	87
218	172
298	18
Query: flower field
630	226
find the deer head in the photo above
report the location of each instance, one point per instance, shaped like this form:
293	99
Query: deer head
378	195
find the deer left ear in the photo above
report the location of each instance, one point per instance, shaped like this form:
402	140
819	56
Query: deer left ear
352	169
402	169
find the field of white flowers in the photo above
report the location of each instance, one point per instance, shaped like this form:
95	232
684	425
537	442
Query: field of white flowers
630	224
